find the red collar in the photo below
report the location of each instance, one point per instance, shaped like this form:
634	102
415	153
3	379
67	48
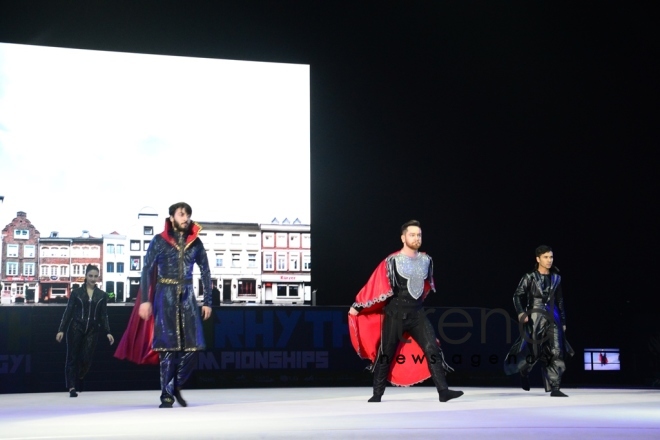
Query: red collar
168	234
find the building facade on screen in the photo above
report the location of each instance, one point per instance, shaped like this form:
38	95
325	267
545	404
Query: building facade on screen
260	263
62	263
19	267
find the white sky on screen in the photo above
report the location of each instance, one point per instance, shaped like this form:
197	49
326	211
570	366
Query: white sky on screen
89	138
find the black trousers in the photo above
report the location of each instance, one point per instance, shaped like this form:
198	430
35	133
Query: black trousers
548	351
80	346
415	323
175	369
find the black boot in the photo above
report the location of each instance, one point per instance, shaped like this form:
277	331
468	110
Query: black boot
166	401
438	375
380	380
446	395
179	399
557	393
72	393
524	382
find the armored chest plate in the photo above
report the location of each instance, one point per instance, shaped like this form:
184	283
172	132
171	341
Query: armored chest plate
414	270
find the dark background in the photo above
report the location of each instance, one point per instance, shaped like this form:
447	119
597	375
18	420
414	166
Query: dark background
499	125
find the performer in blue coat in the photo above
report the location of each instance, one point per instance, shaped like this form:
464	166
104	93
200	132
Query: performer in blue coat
177	329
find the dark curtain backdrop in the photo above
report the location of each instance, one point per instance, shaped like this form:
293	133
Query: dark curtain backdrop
499	125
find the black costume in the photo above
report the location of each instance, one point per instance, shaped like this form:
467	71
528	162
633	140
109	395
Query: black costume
178	332
81	321
543	339
410	280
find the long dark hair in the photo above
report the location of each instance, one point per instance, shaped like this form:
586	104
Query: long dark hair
91	267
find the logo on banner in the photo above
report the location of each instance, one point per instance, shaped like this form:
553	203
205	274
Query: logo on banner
276	339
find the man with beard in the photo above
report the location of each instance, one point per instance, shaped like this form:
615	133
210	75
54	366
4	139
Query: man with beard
388	324
539	302
167	283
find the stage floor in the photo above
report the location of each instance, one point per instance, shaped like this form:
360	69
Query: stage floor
297	413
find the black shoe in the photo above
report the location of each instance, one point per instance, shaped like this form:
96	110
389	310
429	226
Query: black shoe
524	382
374	398
166	401
179	399
556	393
446	395
72	393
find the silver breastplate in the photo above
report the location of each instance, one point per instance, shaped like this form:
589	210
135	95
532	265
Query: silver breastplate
414	270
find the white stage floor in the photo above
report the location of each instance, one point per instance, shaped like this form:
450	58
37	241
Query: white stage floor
341	413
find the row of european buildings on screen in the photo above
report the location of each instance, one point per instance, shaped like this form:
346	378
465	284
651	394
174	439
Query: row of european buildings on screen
261	263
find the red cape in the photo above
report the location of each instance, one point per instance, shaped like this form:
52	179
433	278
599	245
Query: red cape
365	330
135	345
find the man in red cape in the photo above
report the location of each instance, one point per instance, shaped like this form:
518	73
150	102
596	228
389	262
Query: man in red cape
388	325
166	323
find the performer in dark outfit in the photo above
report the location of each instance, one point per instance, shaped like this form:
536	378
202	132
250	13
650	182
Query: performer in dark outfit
85	313
177	328
389	310
539	302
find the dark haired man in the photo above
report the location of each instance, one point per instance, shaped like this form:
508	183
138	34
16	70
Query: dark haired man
167	283
388	324
539	303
